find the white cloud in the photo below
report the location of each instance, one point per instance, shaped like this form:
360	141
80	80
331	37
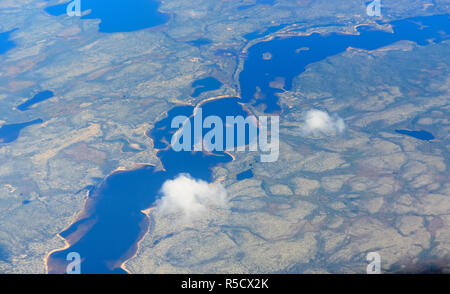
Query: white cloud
320	122
189	197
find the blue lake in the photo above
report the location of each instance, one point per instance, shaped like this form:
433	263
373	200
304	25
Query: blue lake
5	43
112	222
118	15
286	61
248	174
39	97
421	135
200	42
205	85
10	132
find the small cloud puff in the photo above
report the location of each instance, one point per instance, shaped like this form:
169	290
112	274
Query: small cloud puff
189	197
320	122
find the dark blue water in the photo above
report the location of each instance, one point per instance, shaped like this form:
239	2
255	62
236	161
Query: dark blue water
39	97
5	43
162	132
421	135
10	133
114	226
248	174
112	221
200	42
205	85
287	62
118	15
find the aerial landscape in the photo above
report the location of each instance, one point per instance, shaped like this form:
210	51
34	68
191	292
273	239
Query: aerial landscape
224	137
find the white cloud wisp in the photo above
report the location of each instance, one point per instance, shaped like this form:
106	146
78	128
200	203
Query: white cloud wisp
189	197
318	122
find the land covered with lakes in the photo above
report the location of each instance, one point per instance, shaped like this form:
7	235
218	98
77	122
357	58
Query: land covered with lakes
321	207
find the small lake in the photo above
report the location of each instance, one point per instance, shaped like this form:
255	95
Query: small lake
205	85
10	132
200	42
39	97
248	174
5	43
421	135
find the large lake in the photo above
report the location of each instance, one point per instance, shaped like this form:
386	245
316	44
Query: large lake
118	15
283	59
